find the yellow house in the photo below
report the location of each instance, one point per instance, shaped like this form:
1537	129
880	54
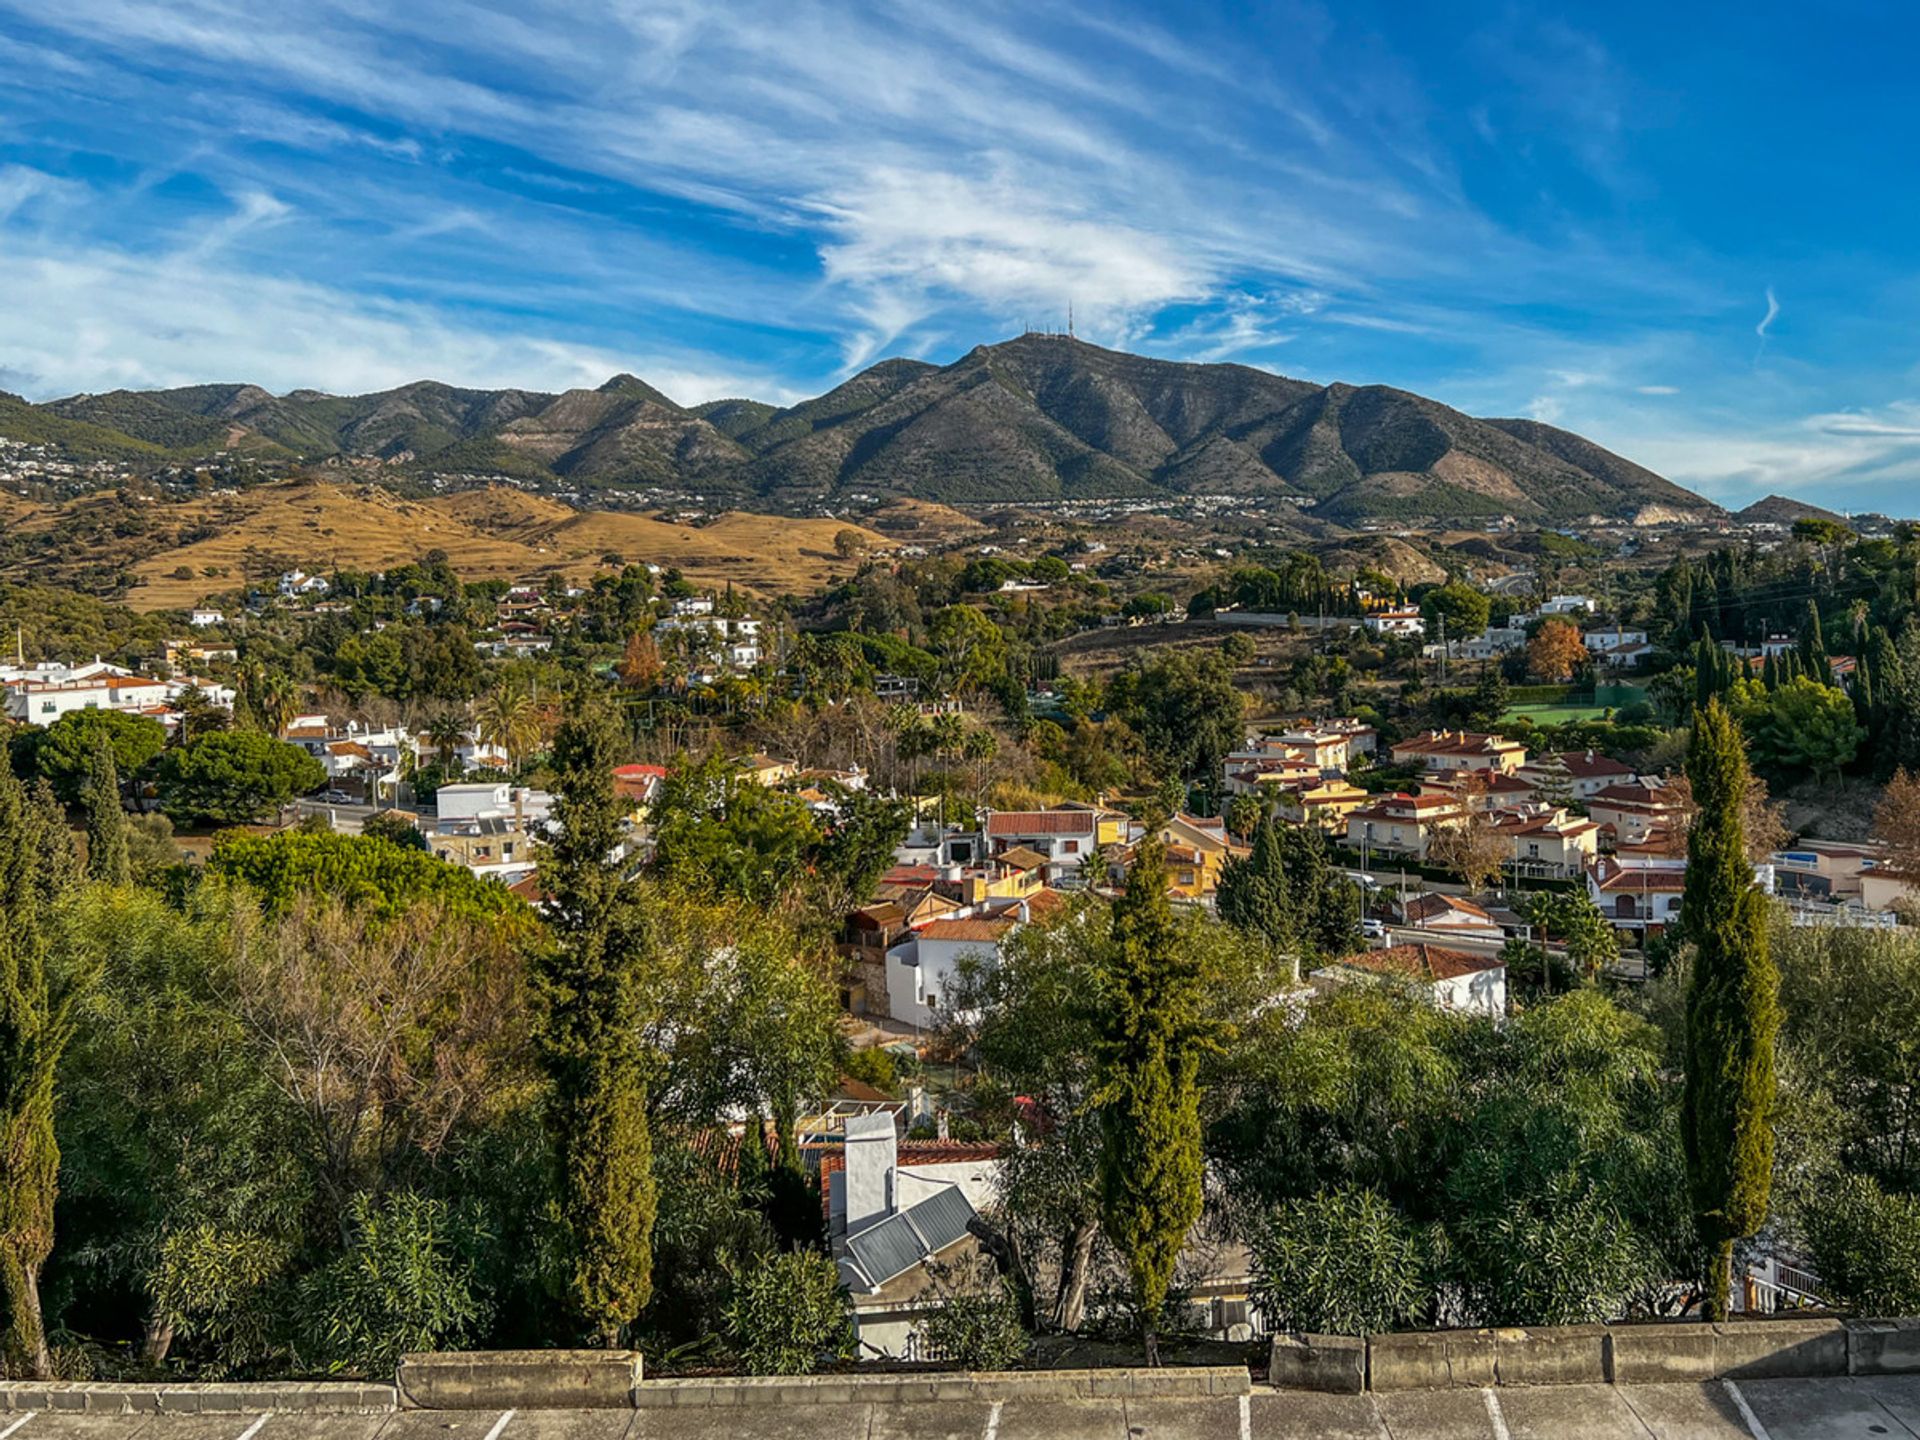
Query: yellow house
1323	804
1197	850
768	770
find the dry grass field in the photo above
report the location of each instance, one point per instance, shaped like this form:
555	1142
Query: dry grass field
498	533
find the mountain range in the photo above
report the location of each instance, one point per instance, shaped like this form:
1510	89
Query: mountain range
1038	417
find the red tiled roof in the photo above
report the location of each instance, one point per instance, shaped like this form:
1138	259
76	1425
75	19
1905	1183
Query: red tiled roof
1423	962
1458	742
982	930
913	1153
1586	764
1619	879
1042	822
1434	903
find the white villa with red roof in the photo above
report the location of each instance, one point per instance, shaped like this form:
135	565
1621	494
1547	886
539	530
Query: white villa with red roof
1403	824
1461	750
1452	979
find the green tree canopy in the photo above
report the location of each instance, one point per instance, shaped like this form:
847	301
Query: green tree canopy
234	776
64	752
1464	608
361	870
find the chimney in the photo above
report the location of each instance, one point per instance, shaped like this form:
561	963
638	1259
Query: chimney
873	1159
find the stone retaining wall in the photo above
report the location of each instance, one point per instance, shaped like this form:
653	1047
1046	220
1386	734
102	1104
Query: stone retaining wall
1646	1354
519	1380
1177	1382
253	1398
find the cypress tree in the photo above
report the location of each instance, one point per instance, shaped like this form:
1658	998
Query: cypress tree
1254	895
591	984
1813	643
1706	669
1150	1034
1733	1009
1326	904
36	868
107	857
1770	674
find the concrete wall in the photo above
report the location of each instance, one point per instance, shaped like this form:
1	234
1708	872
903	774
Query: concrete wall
1653	1353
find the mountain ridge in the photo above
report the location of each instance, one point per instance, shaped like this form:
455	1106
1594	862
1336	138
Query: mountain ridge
1038	417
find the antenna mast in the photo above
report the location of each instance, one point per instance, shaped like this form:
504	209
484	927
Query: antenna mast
1070	319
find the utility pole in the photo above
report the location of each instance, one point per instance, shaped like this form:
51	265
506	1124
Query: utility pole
1443	649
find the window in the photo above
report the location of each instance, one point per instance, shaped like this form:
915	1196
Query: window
1070	847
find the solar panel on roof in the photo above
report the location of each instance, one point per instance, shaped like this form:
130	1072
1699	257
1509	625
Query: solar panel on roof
941	1218
885	1250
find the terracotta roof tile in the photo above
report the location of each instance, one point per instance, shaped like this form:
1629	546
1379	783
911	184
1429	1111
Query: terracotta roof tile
1423	962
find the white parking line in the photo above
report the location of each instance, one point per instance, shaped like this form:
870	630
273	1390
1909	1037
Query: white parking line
253	1429
993	1422
17	1424
499	1425
1494	1417
1246	1417
1754	1427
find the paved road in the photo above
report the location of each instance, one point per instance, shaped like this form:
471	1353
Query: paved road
1837	1409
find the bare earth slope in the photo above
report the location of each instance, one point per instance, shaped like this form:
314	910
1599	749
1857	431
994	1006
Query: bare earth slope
488	534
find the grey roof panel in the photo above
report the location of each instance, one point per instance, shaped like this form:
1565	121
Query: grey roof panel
941	1218
885	1250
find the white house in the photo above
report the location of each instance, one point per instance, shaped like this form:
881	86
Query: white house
203	618
892	1224
1573	774
1065	836
1402	824
1547	841
43	701
1639	893
454	803
1565	605
298	582
1441	750
1405	621
1452	914
922	966
1612	637
1452	979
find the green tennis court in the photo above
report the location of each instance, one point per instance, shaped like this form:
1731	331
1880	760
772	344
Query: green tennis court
1554	714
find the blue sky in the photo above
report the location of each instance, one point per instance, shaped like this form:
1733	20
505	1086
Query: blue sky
1690	232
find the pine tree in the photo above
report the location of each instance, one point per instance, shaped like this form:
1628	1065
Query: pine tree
1733	1009
1150	1036
591	984
37	867
107	857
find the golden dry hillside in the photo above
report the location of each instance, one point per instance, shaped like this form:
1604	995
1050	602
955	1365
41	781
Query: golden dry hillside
924	520
498	533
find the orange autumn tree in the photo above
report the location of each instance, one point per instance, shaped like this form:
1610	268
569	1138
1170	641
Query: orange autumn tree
1556	651
640	667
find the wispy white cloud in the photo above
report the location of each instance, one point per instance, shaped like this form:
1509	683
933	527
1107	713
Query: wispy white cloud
102	319
1766	320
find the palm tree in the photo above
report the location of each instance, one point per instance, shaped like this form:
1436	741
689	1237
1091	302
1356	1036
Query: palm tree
980	746
445	732
275	701
508	718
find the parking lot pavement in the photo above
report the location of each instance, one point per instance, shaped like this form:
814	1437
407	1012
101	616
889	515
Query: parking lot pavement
1837	1409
